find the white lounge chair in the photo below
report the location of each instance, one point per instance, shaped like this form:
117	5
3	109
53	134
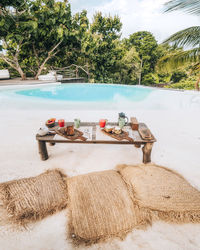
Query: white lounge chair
51	76
4	74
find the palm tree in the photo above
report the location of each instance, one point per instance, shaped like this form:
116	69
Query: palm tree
189	38
189	6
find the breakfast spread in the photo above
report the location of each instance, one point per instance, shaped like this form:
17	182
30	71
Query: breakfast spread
70	131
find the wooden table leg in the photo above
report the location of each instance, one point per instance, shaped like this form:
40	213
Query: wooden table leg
43	150
147	152
137	145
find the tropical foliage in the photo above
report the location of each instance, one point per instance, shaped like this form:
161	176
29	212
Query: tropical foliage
189	6
100	46
187	38
36	31
39	35
187	84
146	46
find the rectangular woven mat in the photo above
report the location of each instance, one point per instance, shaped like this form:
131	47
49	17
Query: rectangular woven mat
101	207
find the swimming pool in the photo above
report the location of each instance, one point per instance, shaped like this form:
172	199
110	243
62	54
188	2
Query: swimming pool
96	96
88	92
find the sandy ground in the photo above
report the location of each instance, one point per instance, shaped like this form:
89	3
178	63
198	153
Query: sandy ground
178	148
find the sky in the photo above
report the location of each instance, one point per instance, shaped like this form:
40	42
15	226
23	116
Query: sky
139	15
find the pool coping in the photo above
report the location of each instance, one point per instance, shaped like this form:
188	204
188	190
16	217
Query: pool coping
38	84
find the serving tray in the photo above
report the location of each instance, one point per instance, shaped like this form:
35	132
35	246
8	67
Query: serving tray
77	135
123	136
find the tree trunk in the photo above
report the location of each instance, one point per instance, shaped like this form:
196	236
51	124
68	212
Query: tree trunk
23	76
77	72
140	76
88	73
39	71
197	84
15	65
50	55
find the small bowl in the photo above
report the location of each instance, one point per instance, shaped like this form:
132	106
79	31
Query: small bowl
50	124
108	129
117	130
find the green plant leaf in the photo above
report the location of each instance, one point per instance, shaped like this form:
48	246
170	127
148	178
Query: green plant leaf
186	37
189	6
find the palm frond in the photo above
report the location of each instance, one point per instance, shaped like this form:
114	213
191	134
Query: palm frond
189	6
195	67
186	37
178	59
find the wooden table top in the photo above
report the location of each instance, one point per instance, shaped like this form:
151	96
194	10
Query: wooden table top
93	133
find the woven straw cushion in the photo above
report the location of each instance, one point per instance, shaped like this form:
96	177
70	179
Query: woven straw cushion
100	207
33	198
163	190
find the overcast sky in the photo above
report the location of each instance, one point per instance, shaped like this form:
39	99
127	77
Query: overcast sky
138	15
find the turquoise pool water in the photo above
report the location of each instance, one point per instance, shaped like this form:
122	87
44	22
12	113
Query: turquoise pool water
96	97
87	92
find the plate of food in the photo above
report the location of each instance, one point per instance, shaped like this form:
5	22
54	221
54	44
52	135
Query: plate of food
117	133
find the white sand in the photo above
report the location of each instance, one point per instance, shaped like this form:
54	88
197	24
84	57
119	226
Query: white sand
178	148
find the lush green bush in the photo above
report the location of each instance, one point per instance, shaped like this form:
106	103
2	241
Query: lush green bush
187	85
163	77
150	79
177	76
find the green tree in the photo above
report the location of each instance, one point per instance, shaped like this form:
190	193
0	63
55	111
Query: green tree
72	53
189	37
177	76
164	69
10	3
129	67
15	27
100	46
52	32
37	31
146	46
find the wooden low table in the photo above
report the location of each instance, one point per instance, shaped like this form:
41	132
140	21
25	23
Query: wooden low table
94	135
